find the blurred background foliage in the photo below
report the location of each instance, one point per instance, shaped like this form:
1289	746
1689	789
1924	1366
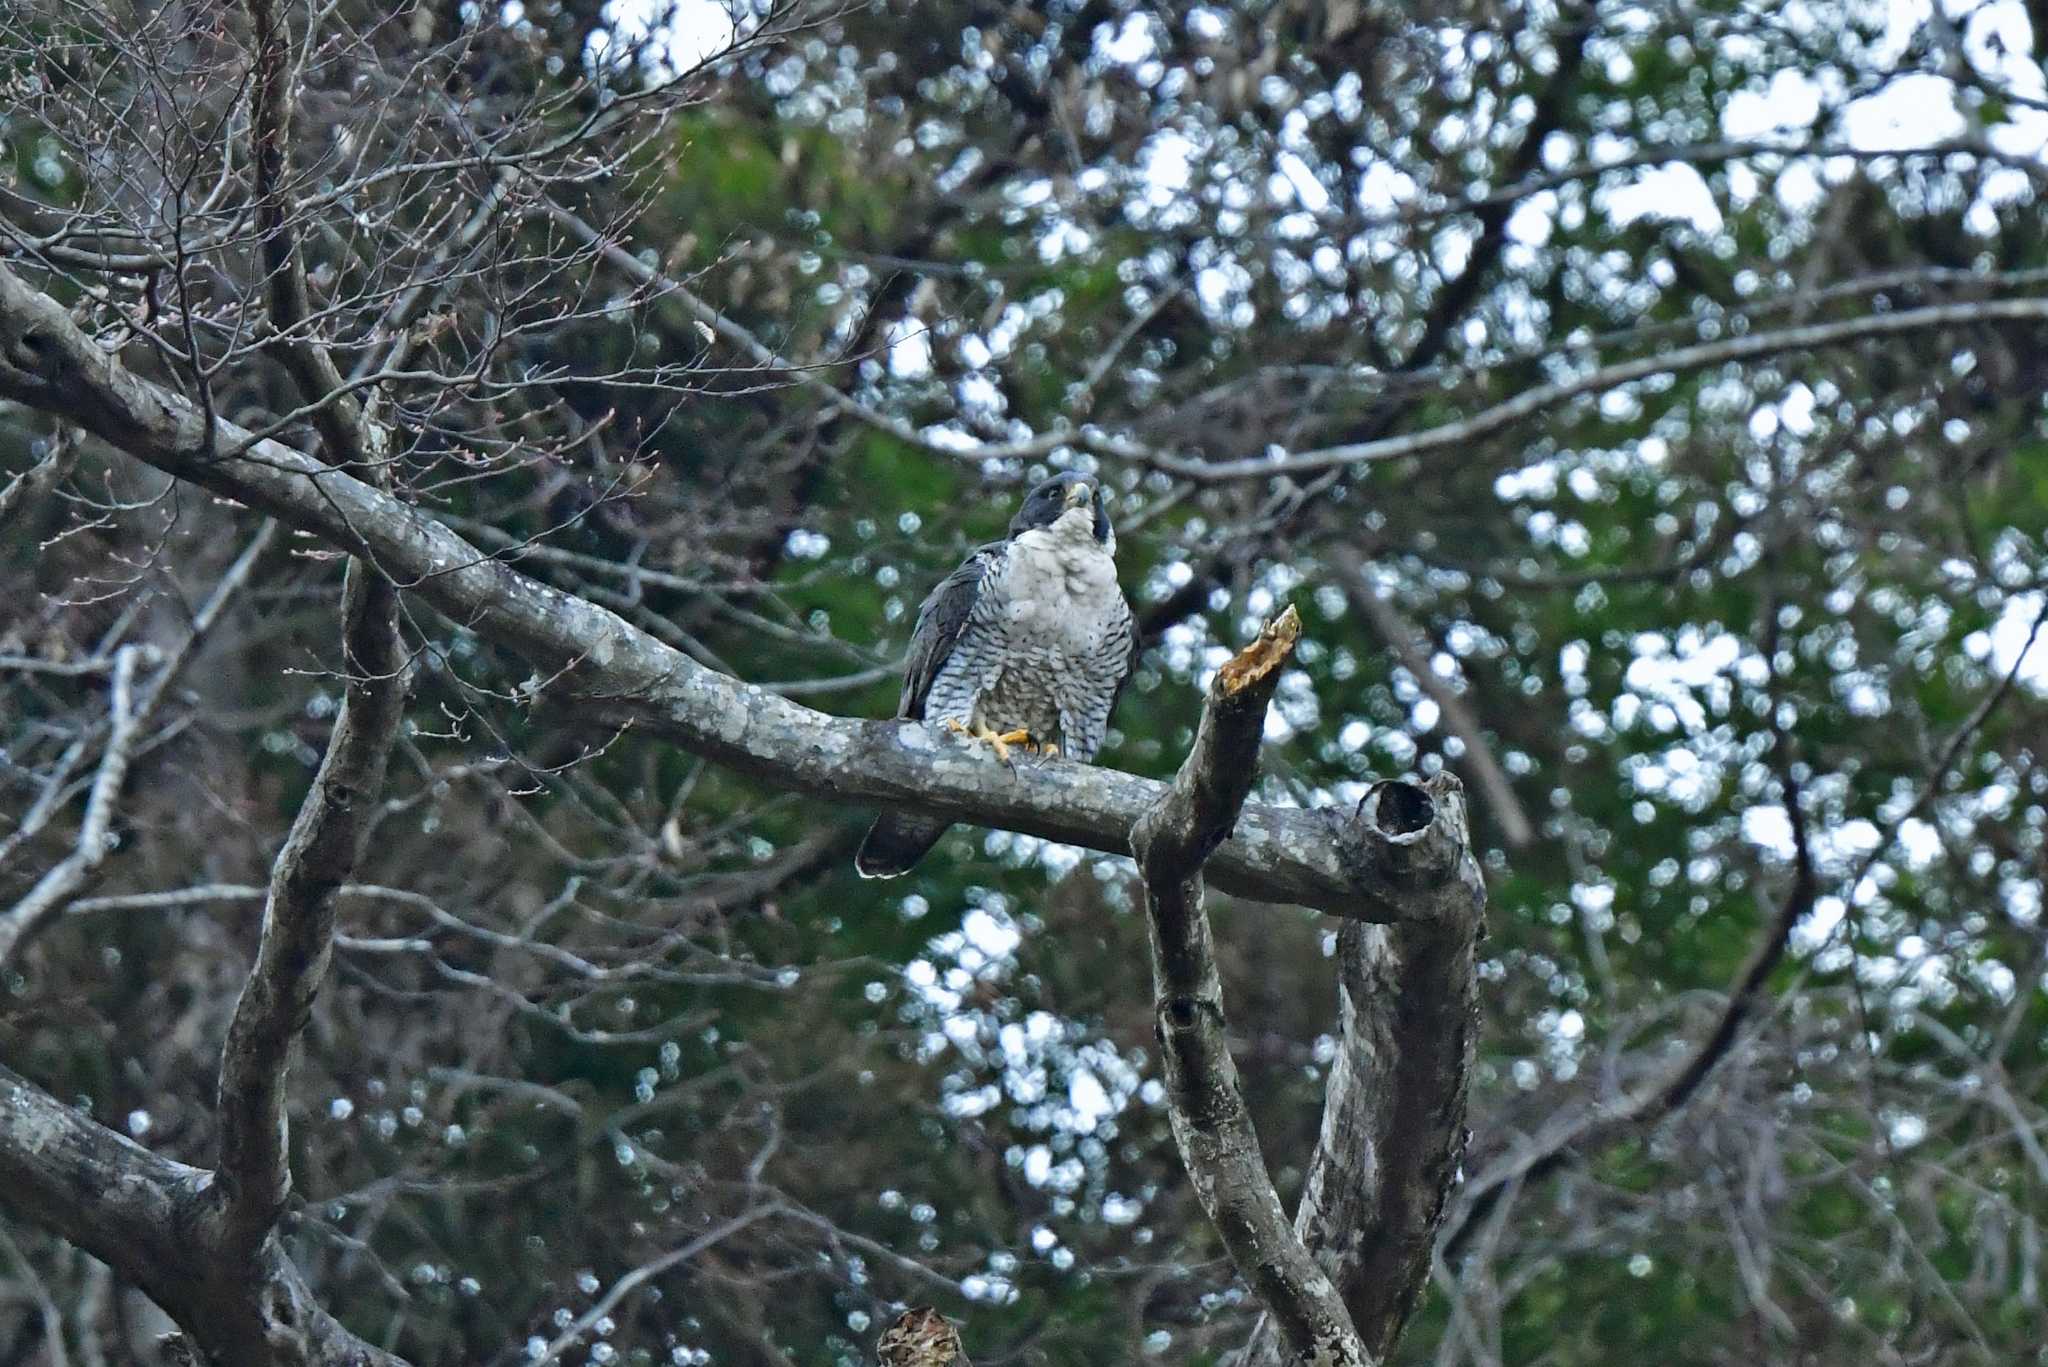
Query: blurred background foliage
599	999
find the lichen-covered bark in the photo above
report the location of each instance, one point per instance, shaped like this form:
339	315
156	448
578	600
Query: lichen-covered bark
298	915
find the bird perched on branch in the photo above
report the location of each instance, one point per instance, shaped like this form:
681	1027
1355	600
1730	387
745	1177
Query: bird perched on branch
1027	644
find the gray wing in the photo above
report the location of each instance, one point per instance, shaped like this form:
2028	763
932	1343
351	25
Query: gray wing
939	624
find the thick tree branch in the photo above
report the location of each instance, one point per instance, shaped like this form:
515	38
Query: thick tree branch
1276	855
1393	1133
1211	1123
84	1182
298	915
146	1217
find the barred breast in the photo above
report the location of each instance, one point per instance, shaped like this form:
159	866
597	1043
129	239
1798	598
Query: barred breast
1045	646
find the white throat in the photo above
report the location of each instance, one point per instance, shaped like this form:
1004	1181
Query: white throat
1074	530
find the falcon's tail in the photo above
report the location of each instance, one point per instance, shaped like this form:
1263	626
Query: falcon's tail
894	844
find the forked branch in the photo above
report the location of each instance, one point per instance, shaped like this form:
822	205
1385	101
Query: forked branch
1341	1279
1211	1123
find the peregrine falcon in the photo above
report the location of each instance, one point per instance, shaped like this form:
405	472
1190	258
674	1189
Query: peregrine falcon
1030	641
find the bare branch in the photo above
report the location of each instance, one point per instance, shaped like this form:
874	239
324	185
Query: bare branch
1530	402
765	356
298	916
21	921
1211	1123
1583	1132
646	1272
351	440
62	883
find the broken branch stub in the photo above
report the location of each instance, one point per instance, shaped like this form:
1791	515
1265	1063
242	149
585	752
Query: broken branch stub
1212	1126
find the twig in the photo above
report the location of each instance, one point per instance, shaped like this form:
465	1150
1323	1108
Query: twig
1528	403
350	439
768	358
626	1285
1403	639
41	477
1608	1122
47	897
146	699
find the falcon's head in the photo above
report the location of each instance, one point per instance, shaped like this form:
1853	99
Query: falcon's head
1068	503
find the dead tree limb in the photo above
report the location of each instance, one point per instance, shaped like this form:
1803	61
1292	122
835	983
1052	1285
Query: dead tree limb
1211	1123
1340	1282
95	834
1393	1133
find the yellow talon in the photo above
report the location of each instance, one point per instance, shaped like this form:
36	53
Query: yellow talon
1000	742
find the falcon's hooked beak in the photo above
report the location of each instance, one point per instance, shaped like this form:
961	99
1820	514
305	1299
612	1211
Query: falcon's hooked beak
1080	492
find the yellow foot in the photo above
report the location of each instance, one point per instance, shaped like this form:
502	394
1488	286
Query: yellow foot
1000	742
